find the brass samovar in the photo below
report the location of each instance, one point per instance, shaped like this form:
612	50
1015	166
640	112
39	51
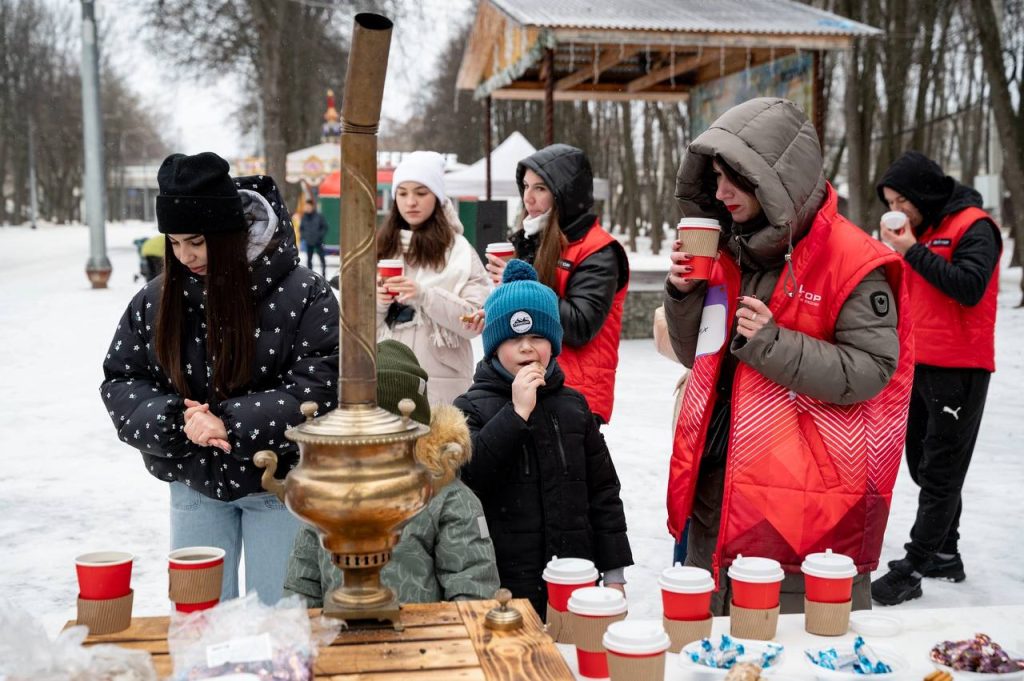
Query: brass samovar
357	481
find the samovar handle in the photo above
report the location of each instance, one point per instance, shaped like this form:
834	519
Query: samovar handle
267	460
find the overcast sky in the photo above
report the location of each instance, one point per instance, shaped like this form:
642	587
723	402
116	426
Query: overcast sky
198	115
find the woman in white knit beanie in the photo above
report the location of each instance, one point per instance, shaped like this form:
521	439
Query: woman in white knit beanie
443	278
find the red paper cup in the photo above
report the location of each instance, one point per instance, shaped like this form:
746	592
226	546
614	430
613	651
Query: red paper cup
195	573
565	575
686	593
592	665
597	607
828	577
502	249
632	646
193	607
756	582
390	268
699	237
103	575
195	558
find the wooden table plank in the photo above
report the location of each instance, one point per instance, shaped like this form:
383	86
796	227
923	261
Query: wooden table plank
470	674
414	656
141	629
432	632
527	653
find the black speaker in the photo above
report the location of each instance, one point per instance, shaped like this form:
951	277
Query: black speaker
491	224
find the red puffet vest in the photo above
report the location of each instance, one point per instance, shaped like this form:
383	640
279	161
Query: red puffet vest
590	368
802	475
946	333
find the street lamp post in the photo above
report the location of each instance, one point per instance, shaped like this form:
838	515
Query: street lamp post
97	268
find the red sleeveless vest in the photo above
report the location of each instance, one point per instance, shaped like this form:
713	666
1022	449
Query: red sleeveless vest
802	475
946	333
590	368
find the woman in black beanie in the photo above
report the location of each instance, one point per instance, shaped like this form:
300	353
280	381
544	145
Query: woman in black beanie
211	360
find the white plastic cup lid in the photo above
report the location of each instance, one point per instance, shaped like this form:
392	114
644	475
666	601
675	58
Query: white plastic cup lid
636	637
500	247
597	601
390	263
893	219
829	565
570	571
698	223
686	580
756	570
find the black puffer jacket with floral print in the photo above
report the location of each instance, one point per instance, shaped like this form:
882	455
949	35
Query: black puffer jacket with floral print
296	361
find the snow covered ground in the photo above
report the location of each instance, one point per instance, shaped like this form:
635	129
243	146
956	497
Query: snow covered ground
69	486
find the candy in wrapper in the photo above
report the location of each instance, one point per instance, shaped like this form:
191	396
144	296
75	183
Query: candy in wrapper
979	654
862	660
728	654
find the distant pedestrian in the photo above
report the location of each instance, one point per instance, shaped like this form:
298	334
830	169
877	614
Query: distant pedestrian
313	230
951	248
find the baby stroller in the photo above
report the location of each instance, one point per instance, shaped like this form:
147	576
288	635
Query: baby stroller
151	256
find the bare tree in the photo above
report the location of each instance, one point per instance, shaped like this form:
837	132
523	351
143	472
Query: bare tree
1009	121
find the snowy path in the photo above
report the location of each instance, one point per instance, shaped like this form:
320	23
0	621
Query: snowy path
69	486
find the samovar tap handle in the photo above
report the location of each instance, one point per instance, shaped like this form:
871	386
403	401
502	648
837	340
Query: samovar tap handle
267	460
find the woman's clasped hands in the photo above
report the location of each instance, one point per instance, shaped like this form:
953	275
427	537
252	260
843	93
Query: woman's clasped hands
204	428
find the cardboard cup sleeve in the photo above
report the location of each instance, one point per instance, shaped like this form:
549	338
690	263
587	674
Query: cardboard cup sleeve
106	616
628	668
681	632
559	626
759	625
702	242
588	632
827	619
195	586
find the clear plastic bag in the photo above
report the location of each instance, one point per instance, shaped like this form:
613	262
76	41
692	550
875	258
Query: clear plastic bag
246	638
27	653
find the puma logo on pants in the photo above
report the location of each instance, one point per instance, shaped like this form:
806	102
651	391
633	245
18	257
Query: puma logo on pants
954	412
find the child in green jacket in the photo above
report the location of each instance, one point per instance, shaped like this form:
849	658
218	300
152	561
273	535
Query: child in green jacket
445	552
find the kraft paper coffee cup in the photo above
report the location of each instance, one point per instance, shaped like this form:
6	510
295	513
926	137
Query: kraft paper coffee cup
828	584
636	650
501	249
592	609
699	238
195	574
755	582
564	576
686	593
894	221
390	268
103	575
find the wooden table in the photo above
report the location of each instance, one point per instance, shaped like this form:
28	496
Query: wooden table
441	642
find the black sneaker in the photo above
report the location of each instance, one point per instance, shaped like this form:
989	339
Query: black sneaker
946	569
898	585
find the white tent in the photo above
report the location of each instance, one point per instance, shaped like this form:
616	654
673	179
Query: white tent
471	181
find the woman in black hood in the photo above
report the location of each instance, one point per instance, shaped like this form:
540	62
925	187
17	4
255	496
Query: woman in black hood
560	235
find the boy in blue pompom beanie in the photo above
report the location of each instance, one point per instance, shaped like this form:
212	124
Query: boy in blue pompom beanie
540	465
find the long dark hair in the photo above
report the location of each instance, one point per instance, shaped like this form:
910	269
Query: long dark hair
230	316
430	241
549	251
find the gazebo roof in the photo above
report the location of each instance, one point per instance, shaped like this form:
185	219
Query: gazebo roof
636	49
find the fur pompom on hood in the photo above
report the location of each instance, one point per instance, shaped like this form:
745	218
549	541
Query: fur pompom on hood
446	447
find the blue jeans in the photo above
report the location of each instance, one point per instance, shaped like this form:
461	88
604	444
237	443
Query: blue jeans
259	524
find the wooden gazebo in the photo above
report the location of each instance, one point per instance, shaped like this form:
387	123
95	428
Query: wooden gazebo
560	50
